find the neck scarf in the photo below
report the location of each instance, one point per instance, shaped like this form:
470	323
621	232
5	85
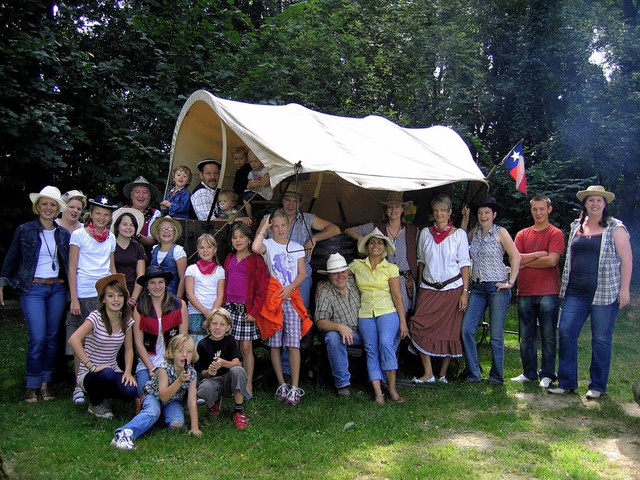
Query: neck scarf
206	268
439	234
99	236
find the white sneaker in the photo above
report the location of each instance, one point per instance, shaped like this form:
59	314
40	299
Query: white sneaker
282	392
122	440
200	401
546	382
294	396
521	379
101	411
443	380
594	395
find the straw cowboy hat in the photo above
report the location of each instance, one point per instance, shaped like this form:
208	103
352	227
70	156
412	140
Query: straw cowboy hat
490	202
292	191
154	271
362	243
71	194
395	198
141	182
115	277
597	190
48	192
207	161
336	263
137	214
156	225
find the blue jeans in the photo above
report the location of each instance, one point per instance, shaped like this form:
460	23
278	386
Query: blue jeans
338	358
539	310
151	411
142	377
43	307
575	311
107	383
483	295
381	337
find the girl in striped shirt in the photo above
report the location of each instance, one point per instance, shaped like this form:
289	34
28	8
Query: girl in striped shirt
96	343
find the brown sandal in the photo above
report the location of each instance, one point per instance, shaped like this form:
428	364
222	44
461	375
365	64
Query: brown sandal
46	394
31	395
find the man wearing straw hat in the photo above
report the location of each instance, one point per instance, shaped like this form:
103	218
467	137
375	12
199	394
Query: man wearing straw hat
337	306
140	192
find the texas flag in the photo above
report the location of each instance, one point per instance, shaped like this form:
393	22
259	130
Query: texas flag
514	162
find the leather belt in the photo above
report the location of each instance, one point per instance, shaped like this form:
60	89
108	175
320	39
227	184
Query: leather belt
441	285
47	281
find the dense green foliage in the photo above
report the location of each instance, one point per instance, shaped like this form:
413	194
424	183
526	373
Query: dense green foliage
90	91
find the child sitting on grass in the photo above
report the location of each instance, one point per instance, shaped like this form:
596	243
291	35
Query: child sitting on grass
96	343
164	394
176	203
220	368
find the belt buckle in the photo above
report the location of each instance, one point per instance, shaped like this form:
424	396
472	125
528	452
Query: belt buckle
439	285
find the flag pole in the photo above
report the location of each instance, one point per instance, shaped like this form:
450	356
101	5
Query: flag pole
495	165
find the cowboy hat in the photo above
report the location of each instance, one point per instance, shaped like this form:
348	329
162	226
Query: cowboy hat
597	190
292	191
104	202
336	263
156	225
137	214
490	202
154	271
207	161
75	194
141	182
362	243
395	198
105	281
48	192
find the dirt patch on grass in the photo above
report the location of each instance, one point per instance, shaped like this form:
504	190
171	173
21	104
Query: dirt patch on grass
624	451
632	409
470	440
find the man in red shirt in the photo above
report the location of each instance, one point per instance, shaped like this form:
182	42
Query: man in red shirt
540	247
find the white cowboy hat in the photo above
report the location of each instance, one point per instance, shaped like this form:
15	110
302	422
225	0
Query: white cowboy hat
597	190
48	192
362	243
137	214
75	194
336	263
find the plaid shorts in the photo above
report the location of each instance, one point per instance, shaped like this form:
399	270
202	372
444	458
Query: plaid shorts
241	329
290	333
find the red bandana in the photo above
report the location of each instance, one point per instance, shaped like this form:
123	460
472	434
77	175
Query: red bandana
99	236
440	234
206	268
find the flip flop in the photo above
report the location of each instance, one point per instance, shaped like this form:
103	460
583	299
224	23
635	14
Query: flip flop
379	400
398	400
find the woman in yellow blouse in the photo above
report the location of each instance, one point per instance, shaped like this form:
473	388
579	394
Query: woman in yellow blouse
381	321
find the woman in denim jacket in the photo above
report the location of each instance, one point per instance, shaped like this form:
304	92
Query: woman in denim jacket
37	263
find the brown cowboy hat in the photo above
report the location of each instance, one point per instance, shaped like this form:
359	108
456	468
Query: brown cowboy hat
395	198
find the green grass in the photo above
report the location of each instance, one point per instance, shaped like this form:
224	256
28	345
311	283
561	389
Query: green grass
444	431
